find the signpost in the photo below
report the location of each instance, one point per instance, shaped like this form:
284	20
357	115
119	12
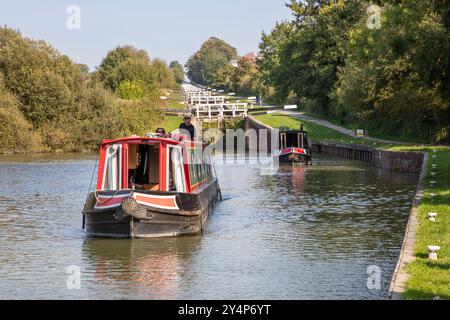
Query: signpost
360	134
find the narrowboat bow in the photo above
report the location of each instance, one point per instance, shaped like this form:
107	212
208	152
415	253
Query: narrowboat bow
294	147
151	187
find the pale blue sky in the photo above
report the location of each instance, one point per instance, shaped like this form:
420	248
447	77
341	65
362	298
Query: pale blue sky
172	30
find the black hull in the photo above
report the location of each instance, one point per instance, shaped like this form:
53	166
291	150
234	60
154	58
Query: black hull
295	158
190	219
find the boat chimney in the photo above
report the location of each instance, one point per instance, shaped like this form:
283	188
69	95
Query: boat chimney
302	127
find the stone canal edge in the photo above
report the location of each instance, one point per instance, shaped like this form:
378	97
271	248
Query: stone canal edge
400	276
390	160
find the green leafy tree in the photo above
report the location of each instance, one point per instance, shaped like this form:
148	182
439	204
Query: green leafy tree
395	80
212	56
311	58
271	69
50	103
165	77
45	82
178	71
131	90
15	131
126	64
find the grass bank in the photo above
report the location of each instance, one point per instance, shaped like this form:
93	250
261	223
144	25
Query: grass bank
316	132
372	132
427	279
170	123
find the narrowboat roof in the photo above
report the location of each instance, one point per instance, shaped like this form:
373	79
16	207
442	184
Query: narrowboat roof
292	131
169	140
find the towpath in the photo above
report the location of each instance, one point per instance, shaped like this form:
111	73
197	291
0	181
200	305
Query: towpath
325	123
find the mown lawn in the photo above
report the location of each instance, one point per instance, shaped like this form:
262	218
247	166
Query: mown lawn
175	104
175	101
315	132
170	123
428	279
431	279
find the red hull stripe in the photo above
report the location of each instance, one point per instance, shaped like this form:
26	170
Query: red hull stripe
161	202
292	150
106	202
299	150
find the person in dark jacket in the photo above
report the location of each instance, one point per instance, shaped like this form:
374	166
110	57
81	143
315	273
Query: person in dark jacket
187	128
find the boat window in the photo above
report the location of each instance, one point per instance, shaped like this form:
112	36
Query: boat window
291	140
210	167
112	178
283	141
175	170
196	169
301	141
143	166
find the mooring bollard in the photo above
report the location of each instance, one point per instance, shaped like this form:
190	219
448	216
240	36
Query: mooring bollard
432	216
432	252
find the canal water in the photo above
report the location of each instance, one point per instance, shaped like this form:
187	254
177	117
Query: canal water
303	233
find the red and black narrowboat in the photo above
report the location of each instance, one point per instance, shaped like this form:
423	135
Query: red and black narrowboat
294	147
151	187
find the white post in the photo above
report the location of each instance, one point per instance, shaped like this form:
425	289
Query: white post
432	252
432	216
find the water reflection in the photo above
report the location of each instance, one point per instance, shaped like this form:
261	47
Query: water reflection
303	233
153	267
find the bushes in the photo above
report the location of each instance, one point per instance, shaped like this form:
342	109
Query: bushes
15	131
50	104
140	116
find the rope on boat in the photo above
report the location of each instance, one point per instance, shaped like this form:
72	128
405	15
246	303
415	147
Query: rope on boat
92	179
130	207
95	193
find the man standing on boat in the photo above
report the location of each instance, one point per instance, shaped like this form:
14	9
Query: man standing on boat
187	128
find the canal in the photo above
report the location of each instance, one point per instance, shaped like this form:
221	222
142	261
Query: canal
303	233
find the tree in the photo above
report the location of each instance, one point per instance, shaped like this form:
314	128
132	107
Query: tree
45	82
178	71
395	79
271	69
15	131
48	104
131	90
126	64
165	77
309	60
213	55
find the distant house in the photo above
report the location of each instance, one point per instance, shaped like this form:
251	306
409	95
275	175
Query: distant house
250	57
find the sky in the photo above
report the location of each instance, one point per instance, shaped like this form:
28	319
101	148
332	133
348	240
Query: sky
171	30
